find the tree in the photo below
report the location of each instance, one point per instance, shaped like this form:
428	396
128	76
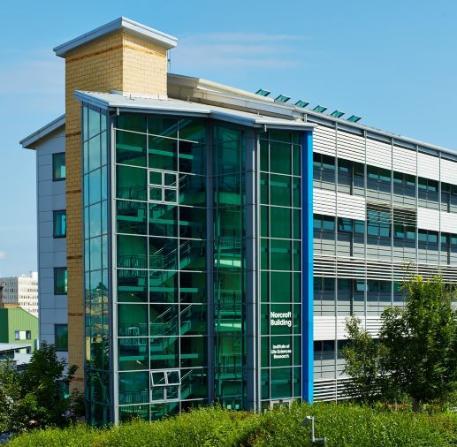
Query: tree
362	363
416	354
35	397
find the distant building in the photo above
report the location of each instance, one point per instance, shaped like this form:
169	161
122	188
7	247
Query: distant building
18	327
17	353
21	290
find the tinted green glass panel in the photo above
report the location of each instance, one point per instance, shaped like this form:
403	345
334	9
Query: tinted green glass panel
193	320
281	287
192	190
131	217
280	222
133	387
132	121
193	287
131	148
93	122
163	253
281	190
264	155
192	255
281	383
131	252
95	185
162	220
163	319
193	351
194	384
280	157
133	353
132	286
164	352
264	195
162	153
163	286
192	222
281	257
131	183
129	413
132	320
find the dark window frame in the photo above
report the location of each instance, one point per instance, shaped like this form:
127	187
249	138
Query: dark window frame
54	156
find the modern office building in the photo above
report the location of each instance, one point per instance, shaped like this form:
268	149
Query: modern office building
218	239
21	290
18	327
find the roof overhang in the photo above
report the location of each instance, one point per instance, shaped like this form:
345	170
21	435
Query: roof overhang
165	40
129	103
31	141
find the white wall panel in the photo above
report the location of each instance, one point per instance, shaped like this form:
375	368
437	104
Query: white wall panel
449	171
379	154
324	140
352	207
428	219
449	222
405	160
324	202
428	166
328	327
351	147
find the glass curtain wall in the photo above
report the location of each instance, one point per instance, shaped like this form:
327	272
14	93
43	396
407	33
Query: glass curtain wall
280	285
95	202
229	266
161	264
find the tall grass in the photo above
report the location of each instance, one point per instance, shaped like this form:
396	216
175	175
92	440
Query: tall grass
344	425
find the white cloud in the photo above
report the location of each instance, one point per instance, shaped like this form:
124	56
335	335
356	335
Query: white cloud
2	255
237	51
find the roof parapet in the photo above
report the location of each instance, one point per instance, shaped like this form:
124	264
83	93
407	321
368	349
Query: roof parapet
165	40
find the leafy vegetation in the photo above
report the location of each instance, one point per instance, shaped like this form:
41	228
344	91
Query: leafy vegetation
344	425
415	357
35	397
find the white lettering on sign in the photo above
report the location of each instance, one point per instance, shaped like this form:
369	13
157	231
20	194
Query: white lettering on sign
281	351
281	319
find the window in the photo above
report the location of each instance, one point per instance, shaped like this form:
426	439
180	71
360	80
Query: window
28	335
163	186
165	385
61	337
59	171
60	281
59	224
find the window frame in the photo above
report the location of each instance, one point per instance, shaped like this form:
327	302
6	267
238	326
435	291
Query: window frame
57	269
54	233
58	347
54	157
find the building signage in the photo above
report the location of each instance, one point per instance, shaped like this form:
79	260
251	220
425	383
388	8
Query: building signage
281	319
281	351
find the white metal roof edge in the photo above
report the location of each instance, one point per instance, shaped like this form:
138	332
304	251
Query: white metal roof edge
30	140
239	97
129	25
230	115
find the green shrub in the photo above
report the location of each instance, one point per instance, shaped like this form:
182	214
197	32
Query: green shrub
344	425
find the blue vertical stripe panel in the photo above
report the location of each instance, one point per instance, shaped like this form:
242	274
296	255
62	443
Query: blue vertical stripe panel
307	267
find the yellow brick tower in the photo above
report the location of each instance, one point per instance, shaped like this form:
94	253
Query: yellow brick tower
125	56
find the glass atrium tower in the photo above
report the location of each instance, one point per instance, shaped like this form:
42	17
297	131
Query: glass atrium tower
194	236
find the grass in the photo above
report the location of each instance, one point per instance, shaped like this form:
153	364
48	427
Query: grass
344	425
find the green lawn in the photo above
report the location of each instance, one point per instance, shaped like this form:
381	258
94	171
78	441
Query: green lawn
342	424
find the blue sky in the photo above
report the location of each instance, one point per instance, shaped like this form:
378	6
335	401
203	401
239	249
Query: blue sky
391	61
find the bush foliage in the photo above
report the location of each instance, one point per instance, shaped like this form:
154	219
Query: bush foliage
344	425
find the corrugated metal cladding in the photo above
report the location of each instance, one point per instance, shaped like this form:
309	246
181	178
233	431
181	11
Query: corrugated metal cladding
333	142
327	327
329	203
